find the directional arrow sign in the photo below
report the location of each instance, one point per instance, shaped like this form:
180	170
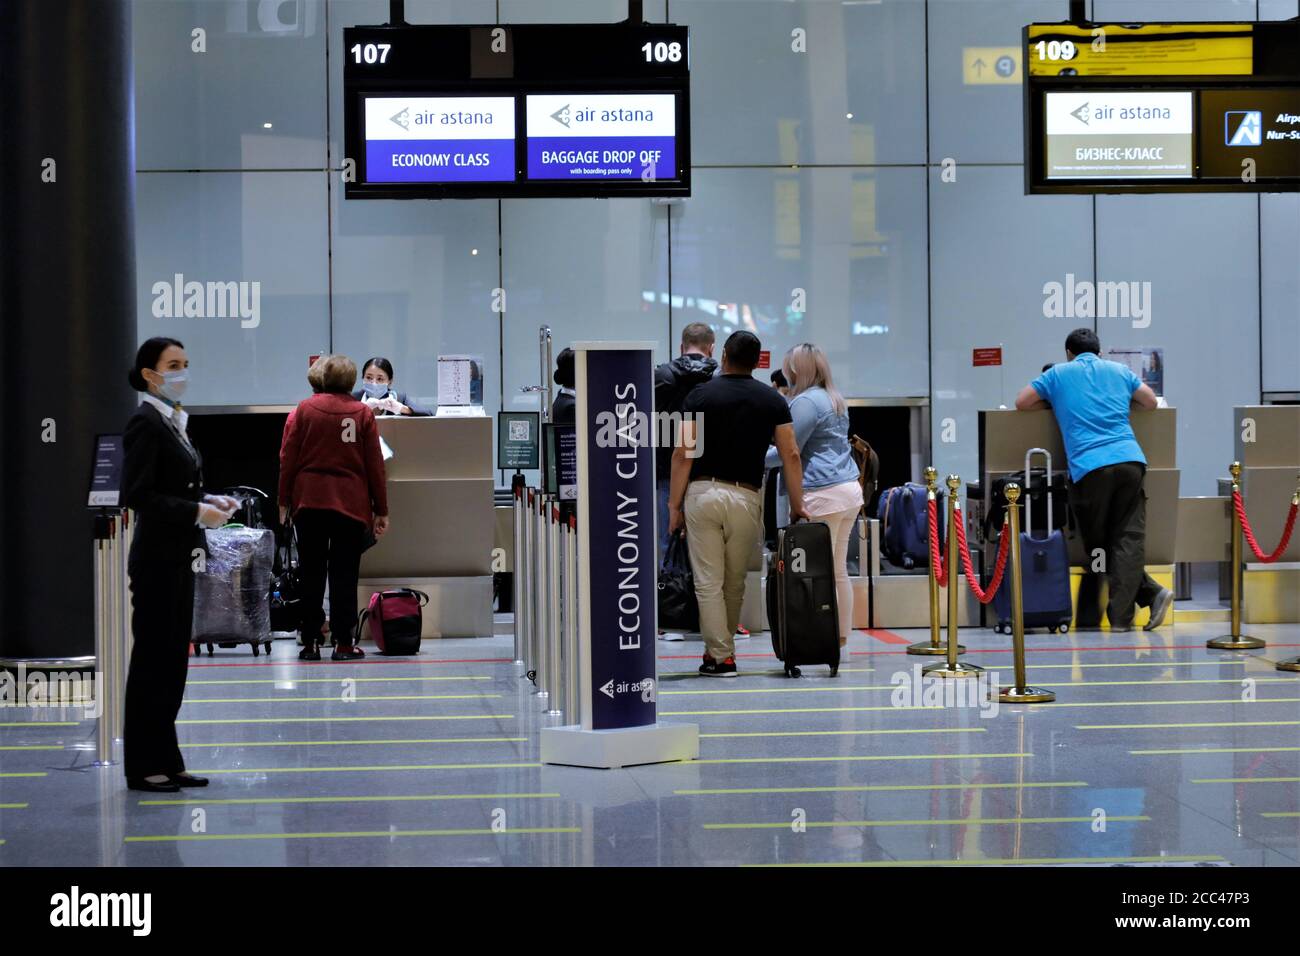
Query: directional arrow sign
608	688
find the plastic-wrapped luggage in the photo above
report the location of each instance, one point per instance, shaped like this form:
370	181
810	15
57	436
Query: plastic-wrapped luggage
232	593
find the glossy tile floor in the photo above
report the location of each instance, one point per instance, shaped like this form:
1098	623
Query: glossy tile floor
1156	751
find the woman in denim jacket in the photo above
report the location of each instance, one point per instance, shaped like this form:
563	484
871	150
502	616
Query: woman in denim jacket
831	492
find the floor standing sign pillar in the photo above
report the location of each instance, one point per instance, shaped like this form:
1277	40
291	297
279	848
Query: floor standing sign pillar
617	723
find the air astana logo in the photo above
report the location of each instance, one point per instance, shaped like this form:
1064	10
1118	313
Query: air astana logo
562	115
400	119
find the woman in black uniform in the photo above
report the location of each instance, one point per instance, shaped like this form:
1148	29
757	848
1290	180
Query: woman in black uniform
376	390
162	483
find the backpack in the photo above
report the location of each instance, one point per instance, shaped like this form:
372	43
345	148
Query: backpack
395	620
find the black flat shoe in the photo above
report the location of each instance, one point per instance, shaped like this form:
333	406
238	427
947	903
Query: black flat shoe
142	784
309	654
188	780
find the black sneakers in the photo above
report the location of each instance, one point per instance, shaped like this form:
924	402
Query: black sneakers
712	668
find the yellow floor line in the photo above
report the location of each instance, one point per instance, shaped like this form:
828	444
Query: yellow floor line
13	806
1247	780
327	680
991	821
1279	814
1215	750
40	723
849	733
1011	861
992	665
793	710
881	688
40	773
878	787
335	699
417	798
342	720
33	747
345	834
1057	706
358	743
1208	723
855	758
375	769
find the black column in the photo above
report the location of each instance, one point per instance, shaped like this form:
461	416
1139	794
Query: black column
67	302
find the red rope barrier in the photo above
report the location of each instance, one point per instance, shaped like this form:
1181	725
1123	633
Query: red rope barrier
1249	534
1004	549
936	561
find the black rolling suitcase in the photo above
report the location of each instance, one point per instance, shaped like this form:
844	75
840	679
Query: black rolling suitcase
1044	571
801	606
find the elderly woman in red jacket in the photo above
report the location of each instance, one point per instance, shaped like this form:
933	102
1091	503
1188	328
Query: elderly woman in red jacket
332	485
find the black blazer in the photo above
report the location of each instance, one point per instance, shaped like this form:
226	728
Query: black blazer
564	410
163	484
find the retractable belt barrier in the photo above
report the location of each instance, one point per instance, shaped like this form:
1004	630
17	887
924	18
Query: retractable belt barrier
1241	530
546	600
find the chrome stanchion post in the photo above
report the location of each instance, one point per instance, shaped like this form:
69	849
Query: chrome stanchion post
103	648
1236	641
516	569
537	614
1020	694
547	362
953	667
571	623
524	563
117	586
555	677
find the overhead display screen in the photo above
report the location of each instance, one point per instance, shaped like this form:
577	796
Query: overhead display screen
1169	107
1262	126
1099	135
435	111
440	139
601	137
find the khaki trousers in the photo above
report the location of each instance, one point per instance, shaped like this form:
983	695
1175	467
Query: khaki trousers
723	525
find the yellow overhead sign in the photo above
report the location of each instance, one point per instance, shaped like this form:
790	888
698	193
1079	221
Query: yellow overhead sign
1153	49
990	64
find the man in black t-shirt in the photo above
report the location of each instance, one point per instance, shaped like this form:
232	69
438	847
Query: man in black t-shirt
728	424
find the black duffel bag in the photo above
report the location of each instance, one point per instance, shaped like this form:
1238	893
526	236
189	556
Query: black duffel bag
1037	493
678	608
286	583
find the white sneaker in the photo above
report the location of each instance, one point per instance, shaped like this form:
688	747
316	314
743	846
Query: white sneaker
671	636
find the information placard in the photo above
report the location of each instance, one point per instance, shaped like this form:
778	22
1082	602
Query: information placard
106	473
602	136
518	440
439	139
561	450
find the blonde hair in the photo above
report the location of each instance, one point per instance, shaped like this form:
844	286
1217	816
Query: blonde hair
332	373
805	367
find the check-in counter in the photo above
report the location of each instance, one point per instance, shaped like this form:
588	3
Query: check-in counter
1267	443
1006	434
443	525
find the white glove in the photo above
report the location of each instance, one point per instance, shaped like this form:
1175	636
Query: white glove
392	404
224	502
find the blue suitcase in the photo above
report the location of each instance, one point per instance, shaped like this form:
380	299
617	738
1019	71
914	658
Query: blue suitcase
905	526
1044	572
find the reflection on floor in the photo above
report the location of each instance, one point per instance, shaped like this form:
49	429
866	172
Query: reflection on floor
1156	751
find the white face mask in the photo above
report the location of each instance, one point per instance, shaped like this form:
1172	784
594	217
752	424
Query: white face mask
174	384
374	389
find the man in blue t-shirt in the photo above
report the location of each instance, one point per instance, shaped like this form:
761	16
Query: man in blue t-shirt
1091	398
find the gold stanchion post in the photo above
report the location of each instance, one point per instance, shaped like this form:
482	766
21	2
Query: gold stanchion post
1019	694
1236	641
933	646
952	667
1292	664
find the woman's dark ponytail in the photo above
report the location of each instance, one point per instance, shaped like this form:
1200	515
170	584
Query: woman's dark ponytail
147	357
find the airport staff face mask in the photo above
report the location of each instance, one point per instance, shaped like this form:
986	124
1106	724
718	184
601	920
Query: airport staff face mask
374	389
174	384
